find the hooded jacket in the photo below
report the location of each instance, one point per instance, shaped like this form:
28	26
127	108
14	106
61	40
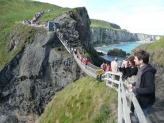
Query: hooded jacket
145	94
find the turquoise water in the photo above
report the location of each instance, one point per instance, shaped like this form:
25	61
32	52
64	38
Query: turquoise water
128	47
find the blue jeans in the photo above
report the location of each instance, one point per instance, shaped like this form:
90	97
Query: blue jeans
144	111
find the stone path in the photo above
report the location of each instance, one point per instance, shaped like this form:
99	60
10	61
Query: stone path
156	113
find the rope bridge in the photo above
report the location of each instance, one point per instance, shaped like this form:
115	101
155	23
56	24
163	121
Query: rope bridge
113	80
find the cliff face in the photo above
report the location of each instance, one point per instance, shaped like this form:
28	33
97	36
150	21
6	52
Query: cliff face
39	71
75	26
108	36
159	82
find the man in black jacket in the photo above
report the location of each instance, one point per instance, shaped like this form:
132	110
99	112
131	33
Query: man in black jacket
144	87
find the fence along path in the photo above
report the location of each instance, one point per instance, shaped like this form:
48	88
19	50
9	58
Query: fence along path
124	99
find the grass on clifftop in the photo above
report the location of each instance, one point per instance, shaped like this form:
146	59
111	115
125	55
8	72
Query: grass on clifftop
85	101
156	50
103	24
100	24
13	12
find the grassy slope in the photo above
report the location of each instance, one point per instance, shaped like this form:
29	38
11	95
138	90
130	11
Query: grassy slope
85	101
103	24
14	12
156	49
100	24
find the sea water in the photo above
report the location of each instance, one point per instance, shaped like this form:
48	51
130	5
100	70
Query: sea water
127	47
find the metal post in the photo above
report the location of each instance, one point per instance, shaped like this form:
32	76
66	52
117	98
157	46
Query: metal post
100	77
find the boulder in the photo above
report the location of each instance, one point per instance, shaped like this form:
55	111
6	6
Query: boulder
116	52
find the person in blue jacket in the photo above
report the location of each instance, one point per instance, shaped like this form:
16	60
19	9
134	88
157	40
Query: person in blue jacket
144	87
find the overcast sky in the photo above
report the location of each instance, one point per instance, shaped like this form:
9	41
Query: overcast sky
136	16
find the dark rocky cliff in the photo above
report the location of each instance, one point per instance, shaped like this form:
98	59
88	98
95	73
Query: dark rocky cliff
39	71
75	26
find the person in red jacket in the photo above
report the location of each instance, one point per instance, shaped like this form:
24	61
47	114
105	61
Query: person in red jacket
108	67
86	61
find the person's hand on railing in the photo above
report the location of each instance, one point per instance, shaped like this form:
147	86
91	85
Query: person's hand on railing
130	87
130	90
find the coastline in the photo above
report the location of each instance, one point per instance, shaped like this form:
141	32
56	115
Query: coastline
125	46
104	45
97	48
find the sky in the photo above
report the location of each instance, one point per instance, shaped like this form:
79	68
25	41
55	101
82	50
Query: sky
136	16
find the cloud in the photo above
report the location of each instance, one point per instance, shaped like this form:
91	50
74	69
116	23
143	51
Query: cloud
136	16
143	18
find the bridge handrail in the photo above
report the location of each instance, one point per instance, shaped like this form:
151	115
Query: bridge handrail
124	99
93	66
86	68
62	41
89	69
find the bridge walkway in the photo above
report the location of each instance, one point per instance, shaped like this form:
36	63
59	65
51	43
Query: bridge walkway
89	69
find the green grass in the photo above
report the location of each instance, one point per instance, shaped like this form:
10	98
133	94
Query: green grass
13	12
156	50
100	24
103	24
51	15
85	101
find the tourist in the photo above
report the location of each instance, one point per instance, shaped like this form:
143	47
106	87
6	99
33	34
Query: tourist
129	73
75	51
86	61
77	54
114	68
81	58
108	67
131	70
114	65
103	66
144	87
122	68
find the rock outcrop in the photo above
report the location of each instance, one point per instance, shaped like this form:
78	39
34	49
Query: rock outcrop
155	113
75	26
113	25
34	76
39	71
116	52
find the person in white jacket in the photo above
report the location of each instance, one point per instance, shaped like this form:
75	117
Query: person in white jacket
114	65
